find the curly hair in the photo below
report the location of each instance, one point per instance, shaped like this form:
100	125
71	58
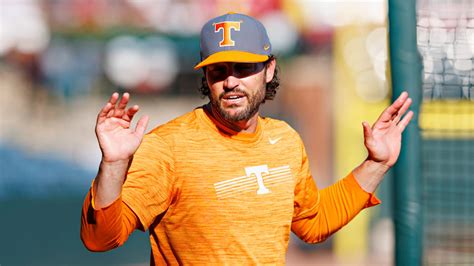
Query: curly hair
270	90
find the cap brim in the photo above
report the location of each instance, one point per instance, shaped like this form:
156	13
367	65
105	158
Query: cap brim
232	56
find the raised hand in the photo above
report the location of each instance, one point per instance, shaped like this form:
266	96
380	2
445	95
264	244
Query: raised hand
117	141
383	139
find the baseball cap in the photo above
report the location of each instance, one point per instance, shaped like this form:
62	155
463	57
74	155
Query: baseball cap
234	37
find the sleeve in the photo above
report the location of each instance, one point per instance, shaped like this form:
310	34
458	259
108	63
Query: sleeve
148	188
320	213
106	228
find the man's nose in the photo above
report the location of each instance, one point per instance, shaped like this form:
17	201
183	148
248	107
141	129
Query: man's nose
231	81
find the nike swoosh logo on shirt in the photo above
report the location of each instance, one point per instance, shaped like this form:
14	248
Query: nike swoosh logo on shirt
273	141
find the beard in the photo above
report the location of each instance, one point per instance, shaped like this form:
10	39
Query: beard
253	104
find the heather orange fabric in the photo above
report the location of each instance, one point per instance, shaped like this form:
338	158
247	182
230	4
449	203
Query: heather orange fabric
208	195
106	228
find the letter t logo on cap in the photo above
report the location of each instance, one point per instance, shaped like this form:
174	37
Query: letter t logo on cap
226	27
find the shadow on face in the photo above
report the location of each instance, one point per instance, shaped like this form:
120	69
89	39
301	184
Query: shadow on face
221	71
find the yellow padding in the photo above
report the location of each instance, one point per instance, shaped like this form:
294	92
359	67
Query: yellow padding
447	119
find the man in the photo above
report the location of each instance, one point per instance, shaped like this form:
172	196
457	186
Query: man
221	184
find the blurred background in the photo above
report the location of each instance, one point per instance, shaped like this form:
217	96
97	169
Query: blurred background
61	60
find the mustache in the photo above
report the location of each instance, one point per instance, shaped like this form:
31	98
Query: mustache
234	90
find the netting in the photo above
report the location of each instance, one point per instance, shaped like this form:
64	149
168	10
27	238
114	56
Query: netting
445	38
448	184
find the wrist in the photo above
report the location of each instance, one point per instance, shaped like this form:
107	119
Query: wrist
108	182
114	162
369	174
376	166
114	170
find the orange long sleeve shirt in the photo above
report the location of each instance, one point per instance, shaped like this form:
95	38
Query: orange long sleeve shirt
210	195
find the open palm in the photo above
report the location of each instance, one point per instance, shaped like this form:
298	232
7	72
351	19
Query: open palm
117	140
383	139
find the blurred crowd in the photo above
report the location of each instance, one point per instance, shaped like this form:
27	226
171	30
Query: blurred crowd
73	46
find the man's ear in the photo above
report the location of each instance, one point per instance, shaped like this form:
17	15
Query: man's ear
270	70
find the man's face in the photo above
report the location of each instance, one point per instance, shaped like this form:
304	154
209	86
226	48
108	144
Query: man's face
238	89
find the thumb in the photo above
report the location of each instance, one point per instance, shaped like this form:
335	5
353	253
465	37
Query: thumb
141	126
368	136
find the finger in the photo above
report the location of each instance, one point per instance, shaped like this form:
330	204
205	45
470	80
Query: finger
111	112
402	110
368	136
113	98
103	113
405	121
131	112
124	101
391	111
108	106
120	110
141	126
397	104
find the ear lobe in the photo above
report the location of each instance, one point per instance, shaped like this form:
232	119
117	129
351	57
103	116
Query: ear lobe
270	70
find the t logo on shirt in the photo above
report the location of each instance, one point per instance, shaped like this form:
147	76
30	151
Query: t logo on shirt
226	27
258	171
254	182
